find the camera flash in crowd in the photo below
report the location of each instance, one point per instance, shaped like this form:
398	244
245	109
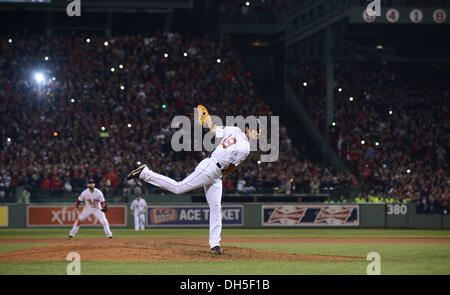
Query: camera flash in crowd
72	100
129	125
10	40
166	55
350	98
305	84
121	66
340	89
53	78
185	54
103	128
106	43
55	134
113	69
333	124
259	162
8	139
219	61
88	40
122	87
46	58
377	143
363	142
39	77
138	162
247	3
408	171
390	112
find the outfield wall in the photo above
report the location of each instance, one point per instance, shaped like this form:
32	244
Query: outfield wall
247	215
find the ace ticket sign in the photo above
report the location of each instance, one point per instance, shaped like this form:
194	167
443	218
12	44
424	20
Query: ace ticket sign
66	216
192	216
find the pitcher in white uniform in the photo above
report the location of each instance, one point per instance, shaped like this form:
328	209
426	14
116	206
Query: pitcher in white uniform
233	149
95	205
138	207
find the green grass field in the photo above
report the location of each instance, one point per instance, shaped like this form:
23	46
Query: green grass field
396	259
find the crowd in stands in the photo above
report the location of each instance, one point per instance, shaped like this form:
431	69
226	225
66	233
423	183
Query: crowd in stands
390	126
103	106
251	11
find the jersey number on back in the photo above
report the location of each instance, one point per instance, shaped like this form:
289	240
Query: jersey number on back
228	141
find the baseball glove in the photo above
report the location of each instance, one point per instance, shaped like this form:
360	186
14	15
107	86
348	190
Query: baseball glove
105	209
202	114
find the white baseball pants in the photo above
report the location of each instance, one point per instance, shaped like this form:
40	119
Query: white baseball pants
139	221
97	214
206	175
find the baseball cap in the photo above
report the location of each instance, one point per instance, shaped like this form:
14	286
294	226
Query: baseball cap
91	180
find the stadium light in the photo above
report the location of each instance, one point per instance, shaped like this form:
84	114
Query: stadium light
39	77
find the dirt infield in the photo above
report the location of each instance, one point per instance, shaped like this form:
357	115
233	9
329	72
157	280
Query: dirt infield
180	249
148	250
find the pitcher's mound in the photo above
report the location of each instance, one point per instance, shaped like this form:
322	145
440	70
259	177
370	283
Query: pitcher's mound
152	250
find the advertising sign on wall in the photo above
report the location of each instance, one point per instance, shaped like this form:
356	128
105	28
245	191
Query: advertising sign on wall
310	215
192	215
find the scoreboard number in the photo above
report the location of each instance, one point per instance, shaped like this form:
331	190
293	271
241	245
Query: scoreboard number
397	209
416	16
392	15
439	16
368	18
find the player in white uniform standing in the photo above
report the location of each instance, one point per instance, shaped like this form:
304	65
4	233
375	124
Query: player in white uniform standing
138	207
95	205
233	149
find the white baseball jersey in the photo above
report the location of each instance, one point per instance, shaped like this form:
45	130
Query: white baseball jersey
138	206
233	148
93	199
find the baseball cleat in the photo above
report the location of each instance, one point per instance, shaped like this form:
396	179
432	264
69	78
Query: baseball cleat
216	250
70	237
136	172
109	237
